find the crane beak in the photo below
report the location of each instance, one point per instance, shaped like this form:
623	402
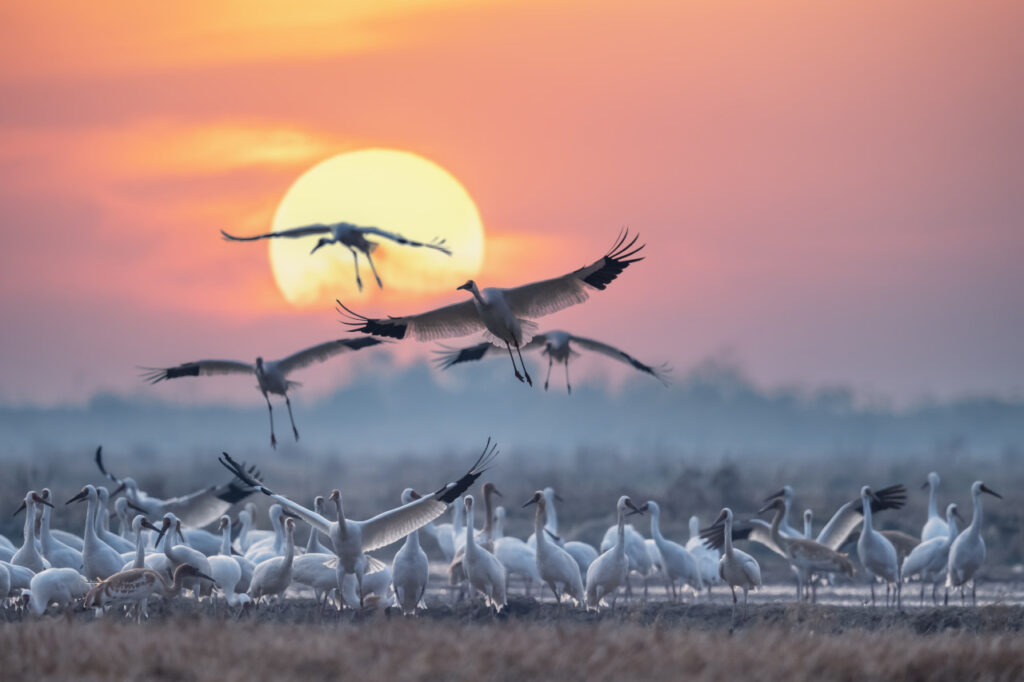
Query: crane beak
177	528
118	489
957	514
464	287
132	505
146	523
18	510
633	507
40	500
993	493
558	498
924	485
553	536
767	507
80	496
781	493
496	491
532	500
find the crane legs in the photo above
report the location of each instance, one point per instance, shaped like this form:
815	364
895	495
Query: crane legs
355	261
273	438
568	386
515	367
548	377
290	417
369	259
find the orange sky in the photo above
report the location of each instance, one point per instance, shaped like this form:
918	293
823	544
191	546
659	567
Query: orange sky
830	189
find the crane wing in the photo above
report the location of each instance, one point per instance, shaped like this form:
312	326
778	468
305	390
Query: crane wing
304	231
848	516
458	319
203	507
155	375
761	533
250	478
713	537
322	352
395	237
616	354
551	295
448	356
395	524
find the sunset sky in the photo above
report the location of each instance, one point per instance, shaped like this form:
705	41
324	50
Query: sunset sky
831	191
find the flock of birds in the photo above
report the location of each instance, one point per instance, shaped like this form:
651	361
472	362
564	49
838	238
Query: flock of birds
161	548
505	316
156	554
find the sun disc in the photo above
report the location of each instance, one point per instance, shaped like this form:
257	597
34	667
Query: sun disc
394	190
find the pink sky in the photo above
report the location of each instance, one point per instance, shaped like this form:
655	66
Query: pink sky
831	190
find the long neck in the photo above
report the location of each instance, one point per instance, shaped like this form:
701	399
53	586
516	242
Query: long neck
458	517
694	527
475	290
933	500
867	515
44	530
656	526
342	525
728	537
29	539
243	534
412	540
620	537
289	549
278	534
173	588
489	518
225	541
499	527
140	550
552	523
539	523
469	528
311	542
975	527
952	525
90	523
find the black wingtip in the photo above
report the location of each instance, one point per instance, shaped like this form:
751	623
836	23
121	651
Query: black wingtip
247	477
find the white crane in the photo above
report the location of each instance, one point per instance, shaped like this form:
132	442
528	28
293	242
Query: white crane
273	546
352	236
967	553
245	566
225	570
559	347
484	538
351	539
609	570
136	585
484	572
516	556
640	559
582	552
271	376
137	559
409	570
504	314
555	565
736	568
99	559
707	558
103	524
877	554
836	532
935	526
272	577
787	497
806	557
181	554
808	523
28	554
928	560
196	509
60	585
676	563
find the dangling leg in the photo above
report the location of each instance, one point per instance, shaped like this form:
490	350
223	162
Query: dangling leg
270	409
528	379
568	386
513	359
548	377
290	417
872	590
974	591
369	259
733	604
355	261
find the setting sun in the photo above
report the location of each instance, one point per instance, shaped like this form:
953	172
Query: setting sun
395	191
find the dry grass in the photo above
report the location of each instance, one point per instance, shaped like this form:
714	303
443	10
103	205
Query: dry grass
777	643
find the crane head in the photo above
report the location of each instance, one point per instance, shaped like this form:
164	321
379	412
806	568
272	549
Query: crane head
468	286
